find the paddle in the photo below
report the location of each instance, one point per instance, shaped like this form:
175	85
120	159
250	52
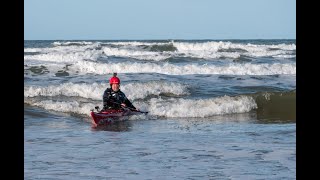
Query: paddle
145	112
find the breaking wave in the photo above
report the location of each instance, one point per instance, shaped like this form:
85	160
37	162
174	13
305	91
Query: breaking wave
94	91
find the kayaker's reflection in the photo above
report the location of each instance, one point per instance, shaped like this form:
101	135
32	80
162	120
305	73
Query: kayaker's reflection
117	126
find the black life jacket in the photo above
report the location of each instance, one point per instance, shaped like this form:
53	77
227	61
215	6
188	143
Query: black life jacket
113	100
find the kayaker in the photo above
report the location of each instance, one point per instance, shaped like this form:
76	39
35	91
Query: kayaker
114	98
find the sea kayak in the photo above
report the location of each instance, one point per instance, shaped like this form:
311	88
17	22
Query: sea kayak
109	116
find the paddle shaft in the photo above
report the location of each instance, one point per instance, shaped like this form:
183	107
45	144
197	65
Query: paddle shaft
129	108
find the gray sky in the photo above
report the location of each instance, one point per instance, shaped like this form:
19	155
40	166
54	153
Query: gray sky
159	19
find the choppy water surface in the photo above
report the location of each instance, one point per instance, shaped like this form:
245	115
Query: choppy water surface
217	110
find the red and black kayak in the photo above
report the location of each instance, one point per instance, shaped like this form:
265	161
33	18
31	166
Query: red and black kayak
109	116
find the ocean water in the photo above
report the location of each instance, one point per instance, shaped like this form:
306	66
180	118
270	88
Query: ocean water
218	109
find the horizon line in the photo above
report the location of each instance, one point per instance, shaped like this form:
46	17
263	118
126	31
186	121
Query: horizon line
156	39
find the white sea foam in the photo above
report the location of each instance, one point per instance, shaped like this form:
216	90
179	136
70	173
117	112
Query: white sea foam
137	43
78	57
266	53
64	106
192	53
142	90
92	91
65	57
203	54
284	56
202	107
95	91
167	68
207	50
211	49
203	50
84	67
142	55
64	49
33	49
71	42
167	108
208	46
205	46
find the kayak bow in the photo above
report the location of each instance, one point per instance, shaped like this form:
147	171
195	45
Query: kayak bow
108	116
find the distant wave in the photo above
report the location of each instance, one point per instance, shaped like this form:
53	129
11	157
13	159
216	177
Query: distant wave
71	43
142	55
85	67
65	57
161	51
167	68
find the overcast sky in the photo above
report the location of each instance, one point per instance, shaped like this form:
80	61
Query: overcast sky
159	19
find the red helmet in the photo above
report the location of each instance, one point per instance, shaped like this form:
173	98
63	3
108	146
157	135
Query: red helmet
114	79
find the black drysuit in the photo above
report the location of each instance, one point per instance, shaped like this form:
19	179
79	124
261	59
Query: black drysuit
112	99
